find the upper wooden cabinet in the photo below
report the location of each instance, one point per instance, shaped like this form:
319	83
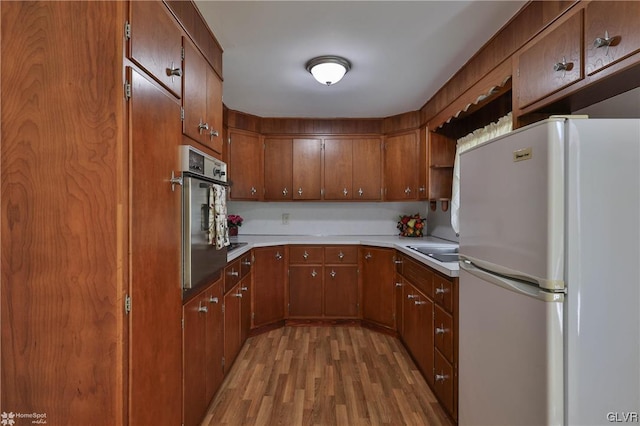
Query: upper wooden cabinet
245	165
442	151
352	168
612	33
401	166
155	43
307	177
202	99
278	171
551	62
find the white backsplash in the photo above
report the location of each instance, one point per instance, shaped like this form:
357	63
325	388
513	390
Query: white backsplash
439	224
318	218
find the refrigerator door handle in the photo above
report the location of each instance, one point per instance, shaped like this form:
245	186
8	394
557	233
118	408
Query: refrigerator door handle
512	285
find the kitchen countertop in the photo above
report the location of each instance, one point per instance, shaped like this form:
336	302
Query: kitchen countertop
402	244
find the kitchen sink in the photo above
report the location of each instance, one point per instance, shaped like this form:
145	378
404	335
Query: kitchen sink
441	254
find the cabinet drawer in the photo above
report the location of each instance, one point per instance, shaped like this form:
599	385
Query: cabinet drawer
341	254
306	254
420	276
539	72
443	292
611	33
231	275
444	383
443	332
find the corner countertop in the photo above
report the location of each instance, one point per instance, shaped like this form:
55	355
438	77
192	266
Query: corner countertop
402	244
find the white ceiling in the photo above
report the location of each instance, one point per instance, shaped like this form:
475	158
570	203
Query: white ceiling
401	52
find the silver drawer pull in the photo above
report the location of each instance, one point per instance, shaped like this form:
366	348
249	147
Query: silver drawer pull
278	256
345	192
238	295
213	299
202	126
332	273
314	273
412	296
305	255
285	192
441	329
246	262
360	192
299	191
234	273
440	290
441	377
202	308
420	302
253	190
244	288
341	255
398	284
213	134
368	256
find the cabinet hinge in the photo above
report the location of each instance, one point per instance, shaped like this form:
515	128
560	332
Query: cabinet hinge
182	53
127	30
222	363
127	90
229	140
289	307
223	308
518	72
321	191
253	315
182	323
181	114
127	304
322	146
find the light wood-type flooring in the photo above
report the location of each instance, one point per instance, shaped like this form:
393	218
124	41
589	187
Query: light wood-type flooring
324	376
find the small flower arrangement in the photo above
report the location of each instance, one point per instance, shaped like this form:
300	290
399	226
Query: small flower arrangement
234	220
411	226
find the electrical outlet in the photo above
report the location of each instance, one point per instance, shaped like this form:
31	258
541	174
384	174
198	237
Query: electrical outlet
285	218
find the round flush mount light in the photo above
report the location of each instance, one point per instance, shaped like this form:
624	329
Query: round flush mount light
328	70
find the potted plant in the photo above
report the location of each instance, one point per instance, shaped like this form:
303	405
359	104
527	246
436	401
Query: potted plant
233	222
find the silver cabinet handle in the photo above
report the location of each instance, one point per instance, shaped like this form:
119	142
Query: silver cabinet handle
278	256
299	191
440	290
368	256
214	134
332	273
605	41
407	190
397	261
202	126
305	255
441	329
173	71
213	299
253	190
412	296
314	273
360	192
246	262
563	66
345	192
202	308
341	255
175	180
234	273
238	295
420	302
441	377
244	288
398	284
285	192
422	189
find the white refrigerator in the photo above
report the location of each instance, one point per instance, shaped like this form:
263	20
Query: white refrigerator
549	296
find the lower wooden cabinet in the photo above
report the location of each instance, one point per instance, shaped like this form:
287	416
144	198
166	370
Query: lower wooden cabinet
202	352
268	287
378	284
305	291
341	291
232	325
417	320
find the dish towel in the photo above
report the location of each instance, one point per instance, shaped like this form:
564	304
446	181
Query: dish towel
219	235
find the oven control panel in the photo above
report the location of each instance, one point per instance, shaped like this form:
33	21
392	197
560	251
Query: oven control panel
197	162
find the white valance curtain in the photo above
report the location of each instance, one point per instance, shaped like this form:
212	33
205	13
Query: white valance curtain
502	126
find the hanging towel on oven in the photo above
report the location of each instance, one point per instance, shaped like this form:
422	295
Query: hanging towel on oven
218	201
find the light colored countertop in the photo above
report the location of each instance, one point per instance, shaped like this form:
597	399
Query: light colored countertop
401	244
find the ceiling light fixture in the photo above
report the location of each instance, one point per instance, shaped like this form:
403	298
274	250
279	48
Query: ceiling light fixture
328	70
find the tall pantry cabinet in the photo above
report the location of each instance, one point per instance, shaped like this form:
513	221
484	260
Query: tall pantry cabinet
90	291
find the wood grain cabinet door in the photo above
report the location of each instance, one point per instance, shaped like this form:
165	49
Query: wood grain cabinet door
401	167
612	33
155	43
338	169
552	62
278	169
194	347
245	165
305	291
367	169
213	136
378	284
232	323
307	176
341	291
194	100
214	339
268	285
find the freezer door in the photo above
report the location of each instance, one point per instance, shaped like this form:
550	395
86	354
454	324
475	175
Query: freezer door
510	356
511	204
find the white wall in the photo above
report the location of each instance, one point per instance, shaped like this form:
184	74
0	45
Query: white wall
439	224
625	105
319	218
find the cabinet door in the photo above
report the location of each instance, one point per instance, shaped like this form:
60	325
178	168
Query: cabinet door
401	167
232	309
213	136
268	286
278	169
156	43
307	178
620	21
305	291
245	165
195	361
417	311
155	363
194	100
444	384
397	298
214	340
378	285
245	309
367	169
338	169
551	63
341	291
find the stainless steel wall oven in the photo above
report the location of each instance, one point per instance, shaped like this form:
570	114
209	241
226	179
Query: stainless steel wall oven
204	183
